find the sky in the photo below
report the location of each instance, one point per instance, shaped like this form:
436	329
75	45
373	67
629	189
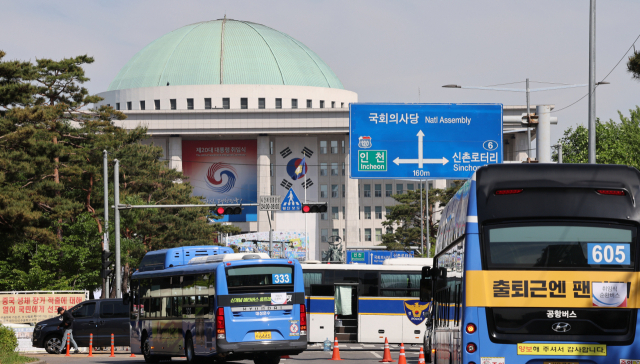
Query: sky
385	51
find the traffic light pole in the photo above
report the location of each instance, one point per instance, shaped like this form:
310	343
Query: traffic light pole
105	247
116	192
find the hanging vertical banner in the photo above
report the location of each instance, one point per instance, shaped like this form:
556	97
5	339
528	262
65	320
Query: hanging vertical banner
223	171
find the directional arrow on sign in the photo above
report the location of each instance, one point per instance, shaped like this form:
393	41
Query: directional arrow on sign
421	160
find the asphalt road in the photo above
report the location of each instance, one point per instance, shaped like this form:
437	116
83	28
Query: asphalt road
309	357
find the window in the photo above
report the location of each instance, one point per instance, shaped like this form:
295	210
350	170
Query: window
117	106
142	105
334	147
400	284
335	213
271	169
430	184
367	190
333	104
261	103
344	214
244	103
378	234
108	105
409	186
309	104
342	105
189	104
173	104
367	234
388	190
323	216
342	146
334	191
271	146
344	234
323	147
344	191
378	210
156	104
334	169
207	103
324	233
226	103
278	103
85	310
389	230
399	188
294	103
343	168
323	191
378	190
335	232
113	310
323	169
273	189
367	212
322	104
128	105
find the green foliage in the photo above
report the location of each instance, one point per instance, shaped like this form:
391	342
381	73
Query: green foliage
405	217
15	358
616	143
8	340
633	66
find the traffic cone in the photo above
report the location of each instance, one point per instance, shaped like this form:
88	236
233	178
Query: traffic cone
90	346
402	359
132	356
285	357
336	350
421	356
386	358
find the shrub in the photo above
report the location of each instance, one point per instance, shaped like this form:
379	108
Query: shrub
8	340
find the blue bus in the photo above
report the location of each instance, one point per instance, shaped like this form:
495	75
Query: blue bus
219	307
537	263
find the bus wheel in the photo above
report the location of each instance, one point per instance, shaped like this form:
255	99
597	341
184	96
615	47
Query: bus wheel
188	350
146	351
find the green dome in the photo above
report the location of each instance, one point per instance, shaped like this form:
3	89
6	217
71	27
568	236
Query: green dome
225	52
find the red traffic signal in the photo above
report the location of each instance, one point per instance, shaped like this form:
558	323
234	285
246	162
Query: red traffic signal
228	210
314	208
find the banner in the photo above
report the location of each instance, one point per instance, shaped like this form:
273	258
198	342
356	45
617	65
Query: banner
224	172
287	157
295	245
26	308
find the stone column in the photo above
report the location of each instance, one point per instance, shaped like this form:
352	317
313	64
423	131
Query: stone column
264	180
175	153
352	203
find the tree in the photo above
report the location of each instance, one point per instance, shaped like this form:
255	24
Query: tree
405	217
616	143
633	66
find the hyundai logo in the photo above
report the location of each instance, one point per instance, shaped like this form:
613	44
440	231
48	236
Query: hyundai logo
561	327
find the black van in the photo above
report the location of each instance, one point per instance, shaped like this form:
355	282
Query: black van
98	317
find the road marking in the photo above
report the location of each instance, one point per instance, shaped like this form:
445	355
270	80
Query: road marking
355	347
376	354
369	345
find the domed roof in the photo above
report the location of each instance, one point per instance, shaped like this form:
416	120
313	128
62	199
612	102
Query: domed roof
225	52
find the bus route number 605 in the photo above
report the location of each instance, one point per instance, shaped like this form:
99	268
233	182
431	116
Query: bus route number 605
604	253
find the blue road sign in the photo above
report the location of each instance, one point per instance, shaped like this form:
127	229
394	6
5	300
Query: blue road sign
423	141
291	202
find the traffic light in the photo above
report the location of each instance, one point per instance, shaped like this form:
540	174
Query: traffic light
229	210
314	208
106	264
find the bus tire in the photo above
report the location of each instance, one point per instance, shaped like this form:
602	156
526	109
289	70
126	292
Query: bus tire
146	351
189	354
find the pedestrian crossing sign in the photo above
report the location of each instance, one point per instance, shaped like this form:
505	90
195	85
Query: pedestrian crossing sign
291	202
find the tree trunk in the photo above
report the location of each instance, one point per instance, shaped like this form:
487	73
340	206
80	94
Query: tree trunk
56	179
125	278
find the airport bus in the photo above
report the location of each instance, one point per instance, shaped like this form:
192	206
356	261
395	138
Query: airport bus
537	263
365	303
218	307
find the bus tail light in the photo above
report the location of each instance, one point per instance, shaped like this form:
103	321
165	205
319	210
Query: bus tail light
220	324
511	191
612	192
471	328
303	319
471	348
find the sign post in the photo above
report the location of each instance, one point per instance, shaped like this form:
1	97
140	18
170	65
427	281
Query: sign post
423	141
270	203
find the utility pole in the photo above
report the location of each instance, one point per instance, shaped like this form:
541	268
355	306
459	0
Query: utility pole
427	213
528	123
543	139
421	221
592	80
116	190
105	247
559	148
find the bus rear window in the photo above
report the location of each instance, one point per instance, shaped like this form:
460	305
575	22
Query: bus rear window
259	276
560	245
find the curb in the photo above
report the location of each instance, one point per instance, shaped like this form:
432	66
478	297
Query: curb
38	362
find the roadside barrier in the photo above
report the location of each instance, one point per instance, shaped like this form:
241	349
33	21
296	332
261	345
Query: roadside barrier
336	350
386	358
68	339
90	346
112	354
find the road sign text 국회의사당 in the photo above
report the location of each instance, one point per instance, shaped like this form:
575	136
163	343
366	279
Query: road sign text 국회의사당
423	141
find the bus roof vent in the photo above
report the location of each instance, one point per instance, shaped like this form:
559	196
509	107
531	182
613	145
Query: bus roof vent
227	257
251	256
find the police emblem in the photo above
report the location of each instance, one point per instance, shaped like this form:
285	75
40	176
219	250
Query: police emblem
364	142
416	311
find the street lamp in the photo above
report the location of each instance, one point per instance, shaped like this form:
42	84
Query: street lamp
527	90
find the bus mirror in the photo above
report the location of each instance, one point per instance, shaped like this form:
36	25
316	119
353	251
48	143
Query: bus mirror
125	299
425	290
426	272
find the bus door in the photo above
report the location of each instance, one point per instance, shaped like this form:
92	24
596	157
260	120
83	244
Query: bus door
346	312
202	308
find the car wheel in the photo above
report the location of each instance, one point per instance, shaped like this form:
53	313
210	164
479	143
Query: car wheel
52	343
188	350
146	352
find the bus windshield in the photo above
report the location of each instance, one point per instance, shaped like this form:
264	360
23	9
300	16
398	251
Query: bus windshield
549	245
259	276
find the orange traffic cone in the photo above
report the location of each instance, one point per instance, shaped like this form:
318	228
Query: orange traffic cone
421	356
132	356
402	359
285	357
386	358
336	350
